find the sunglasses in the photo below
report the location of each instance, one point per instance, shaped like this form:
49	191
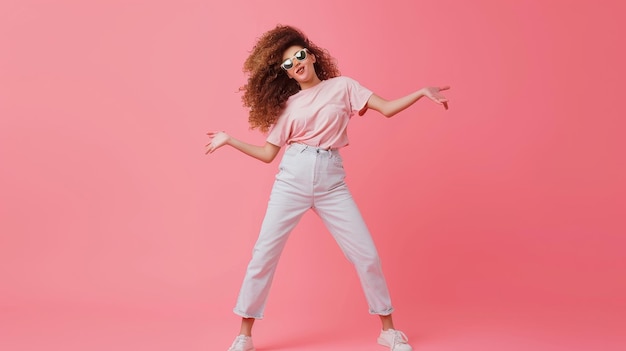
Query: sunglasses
289	63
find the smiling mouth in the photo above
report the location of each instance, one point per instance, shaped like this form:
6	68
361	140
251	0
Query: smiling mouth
299	70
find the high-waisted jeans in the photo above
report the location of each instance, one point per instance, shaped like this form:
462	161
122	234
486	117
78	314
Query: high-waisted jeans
311	178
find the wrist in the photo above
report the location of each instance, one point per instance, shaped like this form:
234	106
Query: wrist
229	139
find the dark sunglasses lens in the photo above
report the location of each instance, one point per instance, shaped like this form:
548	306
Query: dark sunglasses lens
301	55
288	64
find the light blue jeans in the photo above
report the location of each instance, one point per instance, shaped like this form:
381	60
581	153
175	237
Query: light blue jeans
311	178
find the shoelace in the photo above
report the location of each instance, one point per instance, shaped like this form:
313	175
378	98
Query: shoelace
399	338
239	341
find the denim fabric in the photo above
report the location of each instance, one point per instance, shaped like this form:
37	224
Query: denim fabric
311	178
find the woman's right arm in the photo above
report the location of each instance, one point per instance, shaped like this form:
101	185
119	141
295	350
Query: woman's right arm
265	153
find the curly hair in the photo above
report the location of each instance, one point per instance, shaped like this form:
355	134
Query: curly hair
269	86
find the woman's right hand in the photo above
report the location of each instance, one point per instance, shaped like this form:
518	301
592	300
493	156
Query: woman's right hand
216	140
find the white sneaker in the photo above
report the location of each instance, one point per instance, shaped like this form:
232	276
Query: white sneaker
242	343
395	340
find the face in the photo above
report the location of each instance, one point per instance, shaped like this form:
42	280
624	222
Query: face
298	63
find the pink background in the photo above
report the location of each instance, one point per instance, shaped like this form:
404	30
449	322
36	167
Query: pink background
500	222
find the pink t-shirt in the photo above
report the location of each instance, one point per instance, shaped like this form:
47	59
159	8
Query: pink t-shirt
319	116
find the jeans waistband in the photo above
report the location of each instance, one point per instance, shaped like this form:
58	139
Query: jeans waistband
312	149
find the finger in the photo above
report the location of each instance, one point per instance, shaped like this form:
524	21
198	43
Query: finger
445	104
446	87
439	98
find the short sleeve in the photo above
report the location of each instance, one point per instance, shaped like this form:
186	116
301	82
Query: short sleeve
358	94
278	133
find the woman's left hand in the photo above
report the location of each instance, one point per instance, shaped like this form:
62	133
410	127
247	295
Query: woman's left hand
434	94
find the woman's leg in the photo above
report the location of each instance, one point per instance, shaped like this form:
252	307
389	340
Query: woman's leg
387	322
280	219
343	219
334	204
246	326
289	200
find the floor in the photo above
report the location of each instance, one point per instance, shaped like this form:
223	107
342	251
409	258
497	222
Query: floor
109	328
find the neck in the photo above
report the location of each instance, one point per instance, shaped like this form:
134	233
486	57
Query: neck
311	83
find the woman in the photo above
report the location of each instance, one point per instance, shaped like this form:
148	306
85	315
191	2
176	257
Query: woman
295	92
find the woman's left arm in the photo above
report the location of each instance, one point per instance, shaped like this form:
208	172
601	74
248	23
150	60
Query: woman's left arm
390	107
